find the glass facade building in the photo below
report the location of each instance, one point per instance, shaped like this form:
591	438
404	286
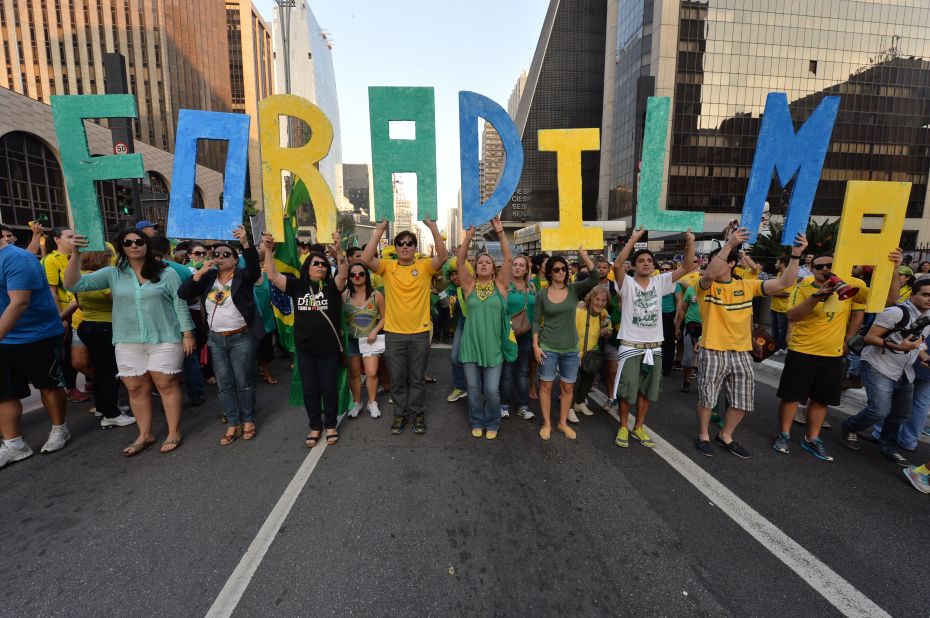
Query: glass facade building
729	54
564	90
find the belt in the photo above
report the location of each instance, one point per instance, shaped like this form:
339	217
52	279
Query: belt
230	333
640	346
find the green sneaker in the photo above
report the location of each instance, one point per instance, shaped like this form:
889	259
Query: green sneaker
397	427
456	394
623	438
643	437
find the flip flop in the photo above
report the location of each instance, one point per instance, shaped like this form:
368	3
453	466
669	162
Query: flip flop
332	438
137	447
248	434
314	439
174	444
228	438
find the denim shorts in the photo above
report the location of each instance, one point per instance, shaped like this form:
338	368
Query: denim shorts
565	363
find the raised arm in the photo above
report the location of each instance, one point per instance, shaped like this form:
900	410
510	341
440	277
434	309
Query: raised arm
503	275
442	254
271	271
720	264
35	243
466	279
342	264
894	291
371	248
790	275
688	265
625	254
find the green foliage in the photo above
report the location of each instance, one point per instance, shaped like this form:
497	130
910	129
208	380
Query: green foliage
821	238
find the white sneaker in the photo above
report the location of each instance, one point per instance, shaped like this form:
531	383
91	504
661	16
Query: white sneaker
524	413
373	409
583	408
355	409
118	421
95	413
572	418
57	439
9	455
505	411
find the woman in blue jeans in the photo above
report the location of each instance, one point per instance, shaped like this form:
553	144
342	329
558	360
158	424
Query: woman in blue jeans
555	338
482	352
234	328
515	381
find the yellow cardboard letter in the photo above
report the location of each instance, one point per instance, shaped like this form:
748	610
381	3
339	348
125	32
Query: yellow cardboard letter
857	248
567	145
299	161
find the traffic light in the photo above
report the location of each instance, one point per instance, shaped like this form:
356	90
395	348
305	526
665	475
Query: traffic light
124	198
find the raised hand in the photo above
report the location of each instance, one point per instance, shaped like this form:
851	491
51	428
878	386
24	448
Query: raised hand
800	243
268	241
741	235
240	235
637	235
896	256
78	240
497	225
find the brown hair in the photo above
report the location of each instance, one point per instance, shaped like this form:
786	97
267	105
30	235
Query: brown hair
95	260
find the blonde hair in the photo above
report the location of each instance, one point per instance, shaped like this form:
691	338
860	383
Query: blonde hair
594	293
529	266
493	264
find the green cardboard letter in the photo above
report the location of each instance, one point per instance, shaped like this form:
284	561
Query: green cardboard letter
81	170
392	156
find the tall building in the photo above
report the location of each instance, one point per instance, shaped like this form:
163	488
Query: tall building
403	212
564	90
513	103
176	57
310	64
356	185
251	77
492	161
718	61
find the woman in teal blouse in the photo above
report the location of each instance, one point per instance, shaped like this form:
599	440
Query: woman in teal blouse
152	330
515	380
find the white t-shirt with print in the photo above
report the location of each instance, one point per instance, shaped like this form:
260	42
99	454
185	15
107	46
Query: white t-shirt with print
641	318
222	315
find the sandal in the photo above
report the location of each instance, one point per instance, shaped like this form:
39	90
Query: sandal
137	447
248	434
268	378
229	438
171	444
312	440
332	438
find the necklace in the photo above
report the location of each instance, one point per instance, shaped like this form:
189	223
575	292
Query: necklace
484	290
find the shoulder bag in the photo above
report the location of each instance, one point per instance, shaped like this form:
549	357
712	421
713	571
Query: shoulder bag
519	321
591	360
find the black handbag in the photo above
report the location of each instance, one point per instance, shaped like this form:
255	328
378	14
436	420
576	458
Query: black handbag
591	360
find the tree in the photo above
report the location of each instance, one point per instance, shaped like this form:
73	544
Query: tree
821	238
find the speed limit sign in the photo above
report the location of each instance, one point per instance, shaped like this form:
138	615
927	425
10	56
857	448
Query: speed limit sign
120	148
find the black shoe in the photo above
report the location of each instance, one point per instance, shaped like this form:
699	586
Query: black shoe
898	458
686	387
704	447
198	401
419	424
397	427
733	447
851	440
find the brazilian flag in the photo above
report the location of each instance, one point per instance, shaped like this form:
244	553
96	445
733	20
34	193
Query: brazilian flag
287	261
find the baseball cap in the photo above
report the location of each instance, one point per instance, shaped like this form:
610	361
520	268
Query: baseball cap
904	270
141	225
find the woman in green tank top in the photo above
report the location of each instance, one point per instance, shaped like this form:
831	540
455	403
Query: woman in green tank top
481	351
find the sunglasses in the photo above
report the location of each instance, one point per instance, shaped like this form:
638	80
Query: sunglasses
665	270
222	255
128	242
405	243
357	275
822	266
318	263
558	269
198	252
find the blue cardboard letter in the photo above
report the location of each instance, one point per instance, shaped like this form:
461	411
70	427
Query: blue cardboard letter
472	106
185	221
792	155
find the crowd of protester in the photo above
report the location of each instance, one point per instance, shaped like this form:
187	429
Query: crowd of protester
152	317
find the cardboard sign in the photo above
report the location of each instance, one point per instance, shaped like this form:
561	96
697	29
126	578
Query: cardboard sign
857	248
185	221
649	215
788	153
80	169
472	106
572	232
299	161
395	156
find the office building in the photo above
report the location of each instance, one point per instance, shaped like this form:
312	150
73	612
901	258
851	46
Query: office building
32	182
251	77
356	186
175	50
564	90
718	61
492	161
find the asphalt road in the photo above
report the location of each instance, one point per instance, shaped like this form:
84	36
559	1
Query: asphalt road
447	525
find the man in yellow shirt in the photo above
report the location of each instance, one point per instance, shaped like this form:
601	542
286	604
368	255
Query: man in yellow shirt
724	358
55	264
814	367
407	319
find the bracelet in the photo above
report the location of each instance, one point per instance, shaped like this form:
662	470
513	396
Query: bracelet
794	257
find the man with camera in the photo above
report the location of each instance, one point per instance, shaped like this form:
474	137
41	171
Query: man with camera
825	312
893	343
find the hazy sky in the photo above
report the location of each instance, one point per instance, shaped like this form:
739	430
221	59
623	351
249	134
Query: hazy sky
479	45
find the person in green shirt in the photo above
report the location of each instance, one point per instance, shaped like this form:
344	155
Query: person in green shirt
689	314
515	380
555	338
670	334
482	351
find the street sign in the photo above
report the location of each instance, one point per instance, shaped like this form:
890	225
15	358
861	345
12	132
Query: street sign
120	148
640	245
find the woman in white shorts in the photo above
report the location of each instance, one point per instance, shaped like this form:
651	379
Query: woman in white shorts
152	330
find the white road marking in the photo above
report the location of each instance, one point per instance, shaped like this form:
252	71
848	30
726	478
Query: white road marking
229	597
829	584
